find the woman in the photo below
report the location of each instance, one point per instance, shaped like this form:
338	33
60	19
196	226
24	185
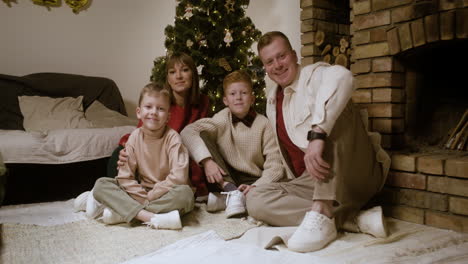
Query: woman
188	106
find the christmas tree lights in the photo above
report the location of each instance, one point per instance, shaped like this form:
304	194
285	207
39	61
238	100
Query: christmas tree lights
218	35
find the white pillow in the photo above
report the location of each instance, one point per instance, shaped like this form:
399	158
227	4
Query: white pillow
101	117
43	113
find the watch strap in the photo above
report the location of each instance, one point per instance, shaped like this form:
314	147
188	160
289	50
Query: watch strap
311	135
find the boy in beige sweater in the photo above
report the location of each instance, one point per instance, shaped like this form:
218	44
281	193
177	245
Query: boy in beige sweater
236	147
153	185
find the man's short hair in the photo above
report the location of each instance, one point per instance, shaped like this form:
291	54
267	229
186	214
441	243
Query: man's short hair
268	37
237	76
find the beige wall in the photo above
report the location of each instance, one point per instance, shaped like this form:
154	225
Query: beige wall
117	39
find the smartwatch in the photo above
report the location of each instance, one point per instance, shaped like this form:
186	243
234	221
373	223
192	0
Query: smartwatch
311	135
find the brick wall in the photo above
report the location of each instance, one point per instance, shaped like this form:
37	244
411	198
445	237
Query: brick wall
425	188
380	31
428	188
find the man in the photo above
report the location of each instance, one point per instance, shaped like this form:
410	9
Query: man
333	167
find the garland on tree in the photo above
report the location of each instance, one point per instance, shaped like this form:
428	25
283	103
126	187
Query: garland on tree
218	36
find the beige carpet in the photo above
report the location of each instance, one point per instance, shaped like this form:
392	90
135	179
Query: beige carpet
89	241
407	244
43	214
53	233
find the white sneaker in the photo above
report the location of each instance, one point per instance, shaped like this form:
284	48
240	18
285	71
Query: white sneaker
372	222
235	203
216	202
93	208
314	233
169	220
110	217
79	204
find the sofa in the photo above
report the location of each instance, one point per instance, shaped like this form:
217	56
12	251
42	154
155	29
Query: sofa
57	131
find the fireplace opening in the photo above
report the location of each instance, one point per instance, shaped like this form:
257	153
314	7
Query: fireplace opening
436	93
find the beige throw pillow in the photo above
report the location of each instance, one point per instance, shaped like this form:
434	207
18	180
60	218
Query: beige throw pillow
101	116
45	113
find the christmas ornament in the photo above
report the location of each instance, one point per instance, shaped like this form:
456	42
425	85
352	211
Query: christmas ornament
229	6
188	12
200	69
8	2
199	36
203	43
47	3
76	5
254	76
228	38
225	64
189	43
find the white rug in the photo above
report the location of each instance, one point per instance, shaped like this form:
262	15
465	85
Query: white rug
43	214
409	243
210	248
89	241
53	233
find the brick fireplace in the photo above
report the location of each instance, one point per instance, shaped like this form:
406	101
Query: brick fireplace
403	54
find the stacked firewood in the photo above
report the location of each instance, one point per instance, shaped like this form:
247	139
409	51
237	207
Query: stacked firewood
458	137
333	54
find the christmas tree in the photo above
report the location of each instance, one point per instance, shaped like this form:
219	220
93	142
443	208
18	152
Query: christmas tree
218	35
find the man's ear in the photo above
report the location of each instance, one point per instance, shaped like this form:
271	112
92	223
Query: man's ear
295	55
225	101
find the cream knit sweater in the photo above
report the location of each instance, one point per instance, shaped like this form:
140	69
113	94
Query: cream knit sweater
154	165
251	150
